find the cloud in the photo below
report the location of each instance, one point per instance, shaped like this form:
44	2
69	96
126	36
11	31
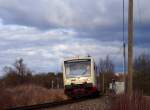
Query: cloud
48	48
50	57
15	32
61	13
44	51
44	32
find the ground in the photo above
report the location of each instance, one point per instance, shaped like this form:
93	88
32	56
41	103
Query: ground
90	104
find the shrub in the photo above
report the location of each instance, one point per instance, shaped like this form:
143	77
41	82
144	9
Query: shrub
136	102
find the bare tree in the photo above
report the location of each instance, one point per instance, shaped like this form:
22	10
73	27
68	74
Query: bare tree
141	76
106	66
20	67
17	74
106	72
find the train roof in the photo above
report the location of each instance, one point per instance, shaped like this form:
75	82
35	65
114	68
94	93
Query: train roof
78	58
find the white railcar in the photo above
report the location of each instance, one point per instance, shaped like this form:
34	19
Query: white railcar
79	75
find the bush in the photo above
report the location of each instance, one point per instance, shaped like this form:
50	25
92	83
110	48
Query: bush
136	102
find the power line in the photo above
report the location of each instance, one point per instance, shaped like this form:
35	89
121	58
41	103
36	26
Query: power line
124	45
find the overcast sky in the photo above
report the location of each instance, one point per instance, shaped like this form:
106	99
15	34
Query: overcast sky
44	32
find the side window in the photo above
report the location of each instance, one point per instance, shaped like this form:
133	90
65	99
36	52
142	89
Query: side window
95	68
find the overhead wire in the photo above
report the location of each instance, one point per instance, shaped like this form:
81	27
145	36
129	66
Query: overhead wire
123	39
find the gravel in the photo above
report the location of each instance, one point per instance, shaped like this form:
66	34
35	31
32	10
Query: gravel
92	104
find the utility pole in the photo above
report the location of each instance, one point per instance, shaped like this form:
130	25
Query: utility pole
130	46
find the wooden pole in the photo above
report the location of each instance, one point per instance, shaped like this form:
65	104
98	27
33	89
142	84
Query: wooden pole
130	46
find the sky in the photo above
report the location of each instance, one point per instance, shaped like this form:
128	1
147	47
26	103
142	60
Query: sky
44	32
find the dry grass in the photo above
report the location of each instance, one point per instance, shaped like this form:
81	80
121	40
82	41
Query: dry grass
5	99
136	102
31	94
28	95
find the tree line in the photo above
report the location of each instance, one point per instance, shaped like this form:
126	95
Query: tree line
141	75
19	73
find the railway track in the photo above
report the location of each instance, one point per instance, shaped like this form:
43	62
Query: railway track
48	105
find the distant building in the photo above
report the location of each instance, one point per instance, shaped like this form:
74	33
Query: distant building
119	85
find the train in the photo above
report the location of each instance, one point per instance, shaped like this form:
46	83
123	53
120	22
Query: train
79	76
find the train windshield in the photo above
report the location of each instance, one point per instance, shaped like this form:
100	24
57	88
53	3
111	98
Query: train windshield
78	68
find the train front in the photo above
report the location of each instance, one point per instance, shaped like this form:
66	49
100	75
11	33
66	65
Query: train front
79	77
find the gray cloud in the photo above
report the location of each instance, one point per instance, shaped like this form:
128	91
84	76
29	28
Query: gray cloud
50	30
60	13
50	47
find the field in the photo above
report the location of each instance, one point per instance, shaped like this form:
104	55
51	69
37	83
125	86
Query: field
28	95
